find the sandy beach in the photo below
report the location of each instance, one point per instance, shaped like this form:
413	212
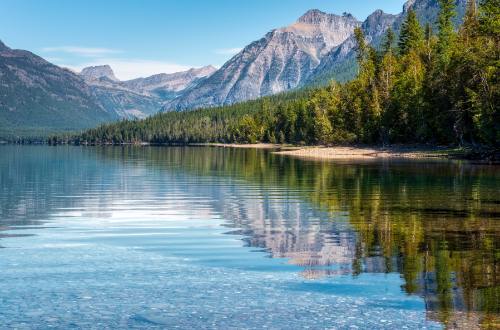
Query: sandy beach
349	153
365	153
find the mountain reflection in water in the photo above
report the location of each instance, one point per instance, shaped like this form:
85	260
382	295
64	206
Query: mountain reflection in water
437	224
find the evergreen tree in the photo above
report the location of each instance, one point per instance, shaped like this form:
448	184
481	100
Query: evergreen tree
446	27
361	47
411	35
486	99
388	44
470	26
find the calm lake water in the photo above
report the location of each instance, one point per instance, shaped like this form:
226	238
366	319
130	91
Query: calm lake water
202	237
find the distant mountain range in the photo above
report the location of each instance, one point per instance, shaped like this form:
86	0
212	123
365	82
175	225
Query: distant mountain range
139	98
37	96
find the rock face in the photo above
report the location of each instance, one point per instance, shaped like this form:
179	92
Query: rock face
164	84
38	96
340	63
280	61
142	97
317	48
93	73
428	10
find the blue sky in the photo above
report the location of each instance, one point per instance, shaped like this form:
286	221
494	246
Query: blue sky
143	37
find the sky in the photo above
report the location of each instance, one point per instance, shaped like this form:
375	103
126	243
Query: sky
139	38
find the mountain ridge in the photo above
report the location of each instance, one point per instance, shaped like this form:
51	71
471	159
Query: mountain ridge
140	97
279	61
36	95
288	58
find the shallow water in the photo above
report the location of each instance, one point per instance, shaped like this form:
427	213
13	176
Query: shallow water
203	237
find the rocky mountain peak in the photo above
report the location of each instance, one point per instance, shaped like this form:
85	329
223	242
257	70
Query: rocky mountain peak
97	72
313	16
317	17
408	5
203	71
3	46
279	61
317	32
377	23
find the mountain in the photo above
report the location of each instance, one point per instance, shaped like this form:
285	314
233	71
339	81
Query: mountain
139	98
340	63
280	61
37	96
167	85
428	10
94	73
317	48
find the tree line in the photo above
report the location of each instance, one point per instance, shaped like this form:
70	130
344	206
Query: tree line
423	86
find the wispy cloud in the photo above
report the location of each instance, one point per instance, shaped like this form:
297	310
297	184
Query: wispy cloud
228	51
81	51
126	69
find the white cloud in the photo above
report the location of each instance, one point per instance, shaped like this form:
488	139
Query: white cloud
228	51
81	51
126	69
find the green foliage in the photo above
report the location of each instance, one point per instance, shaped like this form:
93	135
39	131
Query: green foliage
446	28
411	35
388	44
490	18
361	46
440	89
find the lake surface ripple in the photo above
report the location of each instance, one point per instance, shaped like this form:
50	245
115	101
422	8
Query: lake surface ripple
201	237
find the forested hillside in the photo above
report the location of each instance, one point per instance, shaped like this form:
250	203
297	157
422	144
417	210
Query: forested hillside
38	98
422	86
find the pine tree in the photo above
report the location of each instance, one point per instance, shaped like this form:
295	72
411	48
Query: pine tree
463	72
388	45
487	99
470	25
361	46
411	34
446	28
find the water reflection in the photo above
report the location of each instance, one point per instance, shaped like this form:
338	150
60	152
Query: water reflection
436	224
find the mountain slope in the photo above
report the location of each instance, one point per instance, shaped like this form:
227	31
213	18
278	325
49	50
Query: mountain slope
139	98
38	96
280	61
94	73
165	85
317	48
340	63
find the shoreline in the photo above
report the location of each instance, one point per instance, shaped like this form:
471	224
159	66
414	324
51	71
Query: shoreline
370	152
354	152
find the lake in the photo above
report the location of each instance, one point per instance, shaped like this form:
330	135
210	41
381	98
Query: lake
202	237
